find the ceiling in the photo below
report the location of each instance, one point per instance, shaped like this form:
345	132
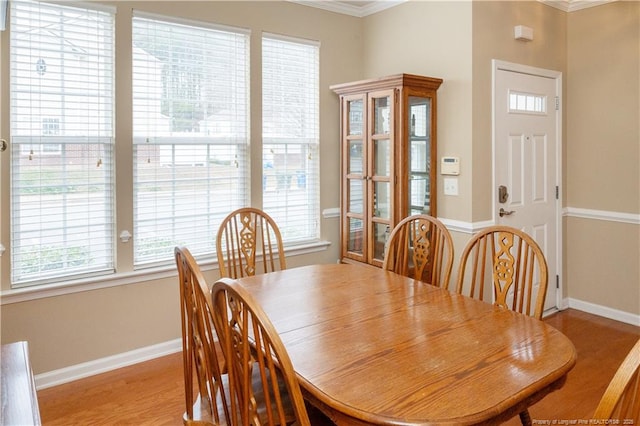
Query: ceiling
362	8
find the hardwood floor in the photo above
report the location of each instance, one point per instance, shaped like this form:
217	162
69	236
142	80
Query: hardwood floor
601	344
151	393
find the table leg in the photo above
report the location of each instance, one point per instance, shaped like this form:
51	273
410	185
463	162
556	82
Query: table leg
525	418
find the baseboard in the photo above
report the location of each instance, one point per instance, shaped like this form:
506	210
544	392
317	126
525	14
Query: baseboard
564	304
604	311
102	365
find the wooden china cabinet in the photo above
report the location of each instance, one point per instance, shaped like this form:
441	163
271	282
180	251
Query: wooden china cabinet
388	154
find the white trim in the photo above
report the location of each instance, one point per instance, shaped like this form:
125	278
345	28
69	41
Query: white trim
371	7
126	278
604	311
527	69
102	365
35	292
379	6
573	5
465	227
557	4
610	216
345	8
473	227
585	4
329	213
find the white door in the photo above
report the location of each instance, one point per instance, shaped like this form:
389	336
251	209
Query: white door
527	159
3	151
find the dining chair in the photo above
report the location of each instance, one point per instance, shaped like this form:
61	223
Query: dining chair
253	347
420	247
621	399
514	264
506	264
201	352
249	242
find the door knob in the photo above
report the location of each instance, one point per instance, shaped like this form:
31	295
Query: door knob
504	212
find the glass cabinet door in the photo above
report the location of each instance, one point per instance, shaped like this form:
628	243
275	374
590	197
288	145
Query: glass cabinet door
355	176
419	116
381	172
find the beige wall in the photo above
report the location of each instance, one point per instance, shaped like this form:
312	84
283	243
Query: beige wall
603	121
432	39
603	259
493	38
603	154
451	40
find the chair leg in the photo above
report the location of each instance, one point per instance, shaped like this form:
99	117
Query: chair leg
525	418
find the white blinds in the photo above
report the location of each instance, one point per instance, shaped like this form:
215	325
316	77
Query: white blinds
190	125
290	105
62	221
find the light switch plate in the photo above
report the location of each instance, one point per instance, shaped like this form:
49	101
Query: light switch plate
450	186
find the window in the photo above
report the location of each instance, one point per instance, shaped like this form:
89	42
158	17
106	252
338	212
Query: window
290	105
190	134
527	103
62	214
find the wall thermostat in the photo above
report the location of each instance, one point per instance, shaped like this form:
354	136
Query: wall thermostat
450	166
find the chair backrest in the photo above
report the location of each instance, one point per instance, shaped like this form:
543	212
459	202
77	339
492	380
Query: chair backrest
420	247
621	399
512	262
253	348
200	353
249	243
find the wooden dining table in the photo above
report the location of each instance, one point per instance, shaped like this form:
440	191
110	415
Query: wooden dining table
373	347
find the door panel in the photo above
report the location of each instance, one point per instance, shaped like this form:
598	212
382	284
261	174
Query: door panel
514	180
540	178
526	159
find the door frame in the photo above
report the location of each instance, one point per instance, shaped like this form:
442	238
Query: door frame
557	76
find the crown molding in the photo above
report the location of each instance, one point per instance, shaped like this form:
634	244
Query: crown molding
573	5
351	8
361	9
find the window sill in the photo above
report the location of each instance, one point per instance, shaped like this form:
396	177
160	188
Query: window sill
25	294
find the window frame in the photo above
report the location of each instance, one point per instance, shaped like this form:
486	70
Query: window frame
175	156
84	139
291	69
